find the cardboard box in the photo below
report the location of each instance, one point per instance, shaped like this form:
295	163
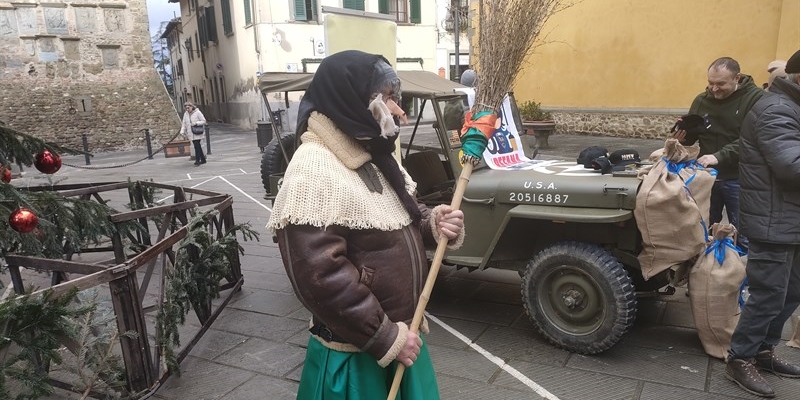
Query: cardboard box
177	148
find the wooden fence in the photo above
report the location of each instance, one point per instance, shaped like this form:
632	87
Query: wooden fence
128	275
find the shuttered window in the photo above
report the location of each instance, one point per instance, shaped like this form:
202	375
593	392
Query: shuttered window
248	13
396	8
227	25
416	13
353	4
305	10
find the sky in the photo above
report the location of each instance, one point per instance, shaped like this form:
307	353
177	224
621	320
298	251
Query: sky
161	10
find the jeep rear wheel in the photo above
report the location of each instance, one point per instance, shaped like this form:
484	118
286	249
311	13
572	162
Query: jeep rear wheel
579	297
273	162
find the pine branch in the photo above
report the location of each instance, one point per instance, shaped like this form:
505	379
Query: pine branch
201	262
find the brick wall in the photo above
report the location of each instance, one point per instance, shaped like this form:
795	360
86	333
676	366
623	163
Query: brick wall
69	69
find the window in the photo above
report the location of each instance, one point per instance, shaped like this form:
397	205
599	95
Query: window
396	8
227	24
189	51
248	13
353	4
207	26
305	10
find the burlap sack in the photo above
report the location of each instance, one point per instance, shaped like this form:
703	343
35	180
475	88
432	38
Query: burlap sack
795	340
672	208
714	288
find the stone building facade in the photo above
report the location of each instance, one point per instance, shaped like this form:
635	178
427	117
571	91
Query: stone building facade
643	124
84	67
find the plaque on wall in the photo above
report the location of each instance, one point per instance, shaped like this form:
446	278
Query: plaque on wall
55	21
114	19
8	23
26	21
85	19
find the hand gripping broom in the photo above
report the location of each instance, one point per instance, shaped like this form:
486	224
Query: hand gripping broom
507	31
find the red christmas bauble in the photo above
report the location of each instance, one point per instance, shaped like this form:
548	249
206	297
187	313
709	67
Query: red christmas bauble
23	220
47	162
5	174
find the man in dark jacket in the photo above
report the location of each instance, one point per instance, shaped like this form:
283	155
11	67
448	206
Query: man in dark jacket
727	99
769	170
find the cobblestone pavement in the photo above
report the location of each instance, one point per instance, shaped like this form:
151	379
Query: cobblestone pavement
481	341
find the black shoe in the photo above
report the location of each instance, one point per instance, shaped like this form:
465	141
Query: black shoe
745	374
203	162
769	361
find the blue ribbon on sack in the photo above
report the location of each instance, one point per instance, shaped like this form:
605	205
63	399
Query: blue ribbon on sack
718	246
677	167
741	293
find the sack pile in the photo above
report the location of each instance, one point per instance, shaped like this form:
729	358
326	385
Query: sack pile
715	285
672	207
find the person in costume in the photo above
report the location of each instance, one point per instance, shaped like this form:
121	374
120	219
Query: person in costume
352	235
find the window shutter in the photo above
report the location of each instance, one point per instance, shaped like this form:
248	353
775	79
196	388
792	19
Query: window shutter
227	25
354	4
248	13
211	20
300	10
383	6
416	17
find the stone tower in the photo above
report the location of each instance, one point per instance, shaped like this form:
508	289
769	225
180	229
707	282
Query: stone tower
69	68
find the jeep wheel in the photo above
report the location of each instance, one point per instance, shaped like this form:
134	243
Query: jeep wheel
579	297
272	162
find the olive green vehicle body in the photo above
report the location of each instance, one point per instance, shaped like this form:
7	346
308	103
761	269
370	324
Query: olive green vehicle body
570	232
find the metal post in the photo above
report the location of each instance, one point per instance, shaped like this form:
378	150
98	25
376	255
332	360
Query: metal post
148	144
457	34
208	139
85	149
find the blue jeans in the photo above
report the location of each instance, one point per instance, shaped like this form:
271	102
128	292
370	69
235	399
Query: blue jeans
726	194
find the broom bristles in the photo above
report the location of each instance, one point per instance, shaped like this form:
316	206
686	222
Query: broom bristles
507	32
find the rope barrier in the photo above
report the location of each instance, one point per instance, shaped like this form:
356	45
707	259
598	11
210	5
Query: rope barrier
128	164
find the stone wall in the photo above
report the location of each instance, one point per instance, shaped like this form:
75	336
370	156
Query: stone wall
84	67
635	124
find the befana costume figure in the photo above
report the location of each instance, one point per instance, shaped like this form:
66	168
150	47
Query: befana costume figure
353	237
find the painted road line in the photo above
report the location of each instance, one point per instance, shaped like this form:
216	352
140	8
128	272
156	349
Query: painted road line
246	194
494	359
201	183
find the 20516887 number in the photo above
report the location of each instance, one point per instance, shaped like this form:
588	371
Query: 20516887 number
545	198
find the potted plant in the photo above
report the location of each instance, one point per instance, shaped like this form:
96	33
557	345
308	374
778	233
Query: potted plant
537	122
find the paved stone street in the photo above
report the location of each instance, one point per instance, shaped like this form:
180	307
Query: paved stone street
482	343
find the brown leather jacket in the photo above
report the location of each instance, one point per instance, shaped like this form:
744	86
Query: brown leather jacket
353	257
358	282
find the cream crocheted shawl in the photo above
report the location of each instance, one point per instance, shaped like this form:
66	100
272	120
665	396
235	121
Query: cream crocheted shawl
321	186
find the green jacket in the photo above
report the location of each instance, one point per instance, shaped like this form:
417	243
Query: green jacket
726	116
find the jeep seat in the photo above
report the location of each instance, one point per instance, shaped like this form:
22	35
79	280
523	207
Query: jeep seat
426	169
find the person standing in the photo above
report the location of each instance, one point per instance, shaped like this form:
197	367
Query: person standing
352	236
726	100
193	120
770	217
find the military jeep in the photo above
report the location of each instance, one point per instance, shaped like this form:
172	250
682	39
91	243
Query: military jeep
570	232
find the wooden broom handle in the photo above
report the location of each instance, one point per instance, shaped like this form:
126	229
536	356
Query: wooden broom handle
441	247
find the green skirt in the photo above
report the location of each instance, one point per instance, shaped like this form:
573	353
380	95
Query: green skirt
335	375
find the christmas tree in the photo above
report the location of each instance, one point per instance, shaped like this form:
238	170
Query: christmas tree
37	325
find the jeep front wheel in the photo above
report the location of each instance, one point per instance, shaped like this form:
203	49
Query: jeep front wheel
579	297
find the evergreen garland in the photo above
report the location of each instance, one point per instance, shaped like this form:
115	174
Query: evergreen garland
201	262
97	367
35	325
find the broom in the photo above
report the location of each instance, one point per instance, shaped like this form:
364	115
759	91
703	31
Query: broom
507	32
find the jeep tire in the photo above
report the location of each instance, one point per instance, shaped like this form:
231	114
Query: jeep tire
579	297
272	162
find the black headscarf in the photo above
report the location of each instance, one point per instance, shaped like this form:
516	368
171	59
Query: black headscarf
342	89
